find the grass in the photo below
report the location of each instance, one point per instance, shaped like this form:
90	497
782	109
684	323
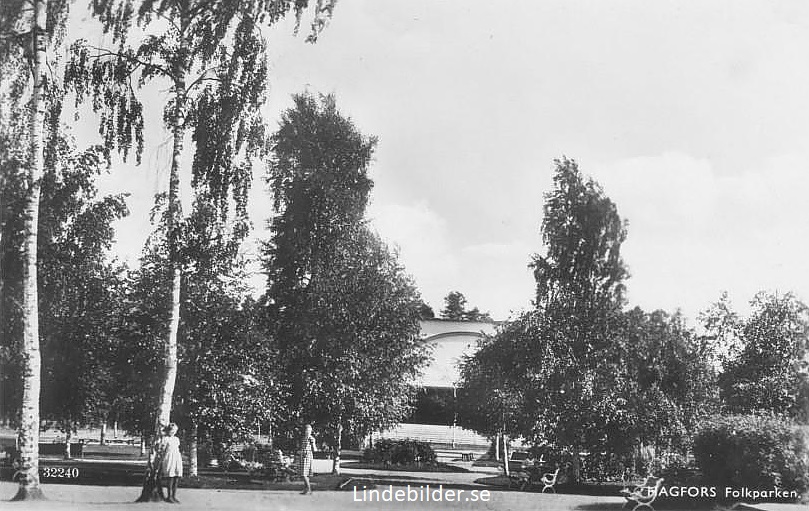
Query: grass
437	467
242	481
663	502
115	473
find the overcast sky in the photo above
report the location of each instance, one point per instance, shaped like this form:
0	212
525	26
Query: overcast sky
694	117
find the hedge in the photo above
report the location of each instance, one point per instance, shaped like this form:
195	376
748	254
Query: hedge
400	452
751	451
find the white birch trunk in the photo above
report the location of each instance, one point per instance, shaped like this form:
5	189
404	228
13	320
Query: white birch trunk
28	433
149	492
506	468
193	454
178	132
68	438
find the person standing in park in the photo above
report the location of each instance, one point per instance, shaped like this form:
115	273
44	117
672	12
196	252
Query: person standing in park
307	454
171	461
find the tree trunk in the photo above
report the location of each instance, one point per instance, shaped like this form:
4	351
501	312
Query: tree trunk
338	447
103	439
193	452
149	492
68	439
575	475
506	468
28	433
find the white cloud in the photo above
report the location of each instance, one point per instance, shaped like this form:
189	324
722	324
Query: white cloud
422	239
493	276
694	232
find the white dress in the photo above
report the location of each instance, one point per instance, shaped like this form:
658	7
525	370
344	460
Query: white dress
171	464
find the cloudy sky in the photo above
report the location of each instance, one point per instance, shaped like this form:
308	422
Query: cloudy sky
694	116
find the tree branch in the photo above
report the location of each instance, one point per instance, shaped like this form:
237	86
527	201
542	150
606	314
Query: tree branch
202	78
107	53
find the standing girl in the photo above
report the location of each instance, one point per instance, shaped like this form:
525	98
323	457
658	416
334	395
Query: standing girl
171	465
307	449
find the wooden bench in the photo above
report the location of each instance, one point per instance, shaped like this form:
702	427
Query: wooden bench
468	456
643	494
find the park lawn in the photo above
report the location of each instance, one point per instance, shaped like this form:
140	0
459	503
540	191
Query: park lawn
117	473
612	489
437	467
243	481
487	462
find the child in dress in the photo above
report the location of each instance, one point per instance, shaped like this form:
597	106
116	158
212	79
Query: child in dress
171	462
307	449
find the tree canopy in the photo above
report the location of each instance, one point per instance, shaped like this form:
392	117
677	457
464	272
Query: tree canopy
339	305
455	309
764	358
578	371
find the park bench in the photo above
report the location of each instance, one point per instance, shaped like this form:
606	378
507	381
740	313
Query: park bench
643	494
532	474
549	480
468	456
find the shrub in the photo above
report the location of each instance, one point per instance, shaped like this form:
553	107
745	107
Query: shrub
400	452
676	470
752	451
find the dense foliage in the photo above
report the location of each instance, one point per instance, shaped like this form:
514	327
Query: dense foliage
753	451
455	309
764	356
578	372
400	452
339	305
79	283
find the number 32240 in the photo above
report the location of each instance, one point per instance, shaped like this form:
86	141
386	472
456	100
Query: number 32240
61	472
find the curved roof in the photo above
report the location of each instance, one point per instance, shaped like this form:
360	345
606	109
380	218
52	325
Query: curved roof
451	341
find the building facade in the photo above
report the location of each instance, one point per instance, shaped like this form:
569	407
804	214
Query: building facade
434	419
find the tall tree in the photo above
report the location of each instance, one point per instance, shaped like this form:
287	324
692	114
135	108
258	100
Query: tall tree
80	286
341	308
228	385
566	394
455	309
27	31
768	370
366	353
78	281
582	233
212	55
577	371
454	306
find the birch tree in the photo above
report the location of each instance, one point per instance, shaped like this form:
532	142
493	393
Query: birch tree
212	56
27	30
